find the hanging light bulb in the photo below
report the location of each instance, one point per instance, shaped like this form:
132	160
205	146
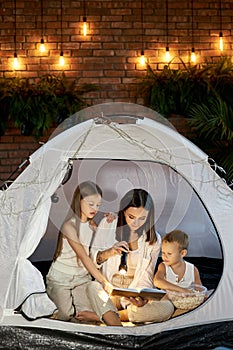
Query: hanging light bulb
193	55
167	54
61	59
142	58
220	42
42	44
15	62
84	19
220	25
85	26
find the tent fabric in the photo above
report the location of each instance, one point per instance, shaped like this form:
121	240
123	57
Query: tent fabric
176	204
26	204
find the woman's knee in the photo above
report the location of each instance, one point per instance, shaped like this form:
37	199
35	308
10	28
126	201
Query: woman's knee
156	311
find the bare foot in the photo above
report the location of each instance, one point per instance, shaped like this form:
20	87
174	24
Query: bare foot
87	316
54	315
111	318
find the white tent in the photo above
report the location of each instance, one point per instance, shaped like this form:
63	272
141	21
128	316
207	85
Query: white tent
120	147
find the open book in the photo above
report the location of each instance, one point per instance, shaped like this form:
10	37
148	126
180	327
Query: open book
146	293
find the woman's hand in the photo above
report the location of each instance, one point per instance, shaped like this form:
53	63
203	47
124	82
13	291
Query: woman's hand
119	247
137	301
116	249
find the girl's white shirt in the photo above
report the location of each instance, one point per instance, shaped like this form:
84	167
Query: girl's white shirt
147	255
67	261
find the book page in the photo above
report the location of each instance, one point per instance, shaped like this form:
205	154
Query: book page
153	290
145	293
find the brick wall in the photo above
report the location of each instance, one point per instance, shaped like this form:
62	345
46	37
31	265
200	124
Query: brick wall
14	150
109	55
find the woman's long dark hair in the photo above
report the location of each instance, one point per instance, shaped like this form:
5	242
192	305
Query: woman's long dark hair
83	190
136	198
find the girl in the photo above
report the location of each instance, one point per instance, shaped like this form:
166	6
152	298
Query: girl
72	268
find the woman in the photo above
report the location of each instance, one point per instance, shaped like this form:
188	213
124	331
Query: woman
135	235
72	269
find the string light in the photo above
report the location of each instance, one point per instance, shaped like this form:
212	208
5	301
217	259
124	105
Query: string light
84	19
42	45
61	59
220	33
15	61
84	26
167	54
193	54
220	42
142	58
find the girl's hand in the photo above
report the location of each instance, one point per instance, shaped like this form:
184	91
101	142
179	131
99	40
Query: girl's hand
110	217
108	287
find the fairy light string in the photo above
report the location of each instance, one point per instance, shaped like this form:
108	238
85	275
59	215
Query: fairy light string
36	182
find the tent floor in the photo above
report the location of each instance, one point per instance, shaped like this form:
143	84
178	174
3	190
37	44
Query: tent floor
16	333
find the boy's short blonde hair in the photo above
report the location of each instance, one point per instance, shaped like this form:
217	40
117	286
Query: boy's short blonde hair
177	236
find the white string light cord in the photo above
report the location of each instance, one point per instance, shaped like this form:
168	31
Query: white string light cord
38	182
164	156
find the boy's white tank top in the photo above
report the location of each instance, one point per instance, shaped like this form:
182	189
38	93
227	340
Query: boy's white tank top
186	280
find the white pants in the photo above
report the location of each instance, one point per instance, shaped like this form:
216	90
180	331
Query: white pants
72	294
153	311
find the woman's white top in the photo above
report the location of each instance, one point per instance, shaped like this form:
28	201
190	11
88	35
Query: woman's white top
147	255
132	261
67	261
187	279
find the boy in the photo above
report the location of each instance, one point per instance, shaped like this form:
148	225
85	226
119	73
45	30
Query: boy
174	273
